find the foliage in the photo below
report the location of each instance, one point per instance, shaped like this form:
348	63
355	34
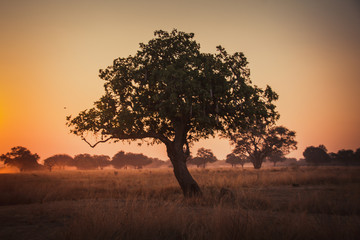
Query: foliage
316	155
21	158
122	160
236	159
101	160
172	93
346	157
87	162
262	140
58	160
276	156
203	156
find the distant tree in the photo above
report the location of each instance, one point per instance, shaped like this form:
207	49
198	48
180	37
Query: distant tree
85	162
322	146
357	155
49	164
262	140
170	92
101	161
333	157
137	160
346	157
21	158
123	160
119	160
59	160
236	159
275	157
316	155
203	156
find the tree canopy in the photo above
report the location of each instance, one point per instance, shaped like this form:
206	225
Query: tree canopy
58	160
316	155
21	158
170	92
86	161
203	156
122	160
236	159
263	140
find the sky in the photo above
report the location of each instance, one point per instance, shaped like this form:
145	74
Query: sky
51	51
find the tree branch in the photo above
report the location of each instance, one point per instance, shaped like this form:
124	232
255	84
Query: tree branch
94	145
135	136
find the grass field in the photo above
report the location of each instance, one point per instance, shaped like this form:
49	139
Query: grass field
272	203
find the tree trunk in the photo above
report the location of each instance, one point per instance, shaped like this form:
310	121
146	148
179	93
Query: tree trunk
257	163
187	183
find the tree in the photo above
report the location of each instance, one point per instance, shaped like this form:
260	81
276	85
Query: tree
276	156
236	159
357	155
203	156
85	162
137	160
171	93
346	156
122	160
58	160
262	140
21	158
119	160
101	161
316	155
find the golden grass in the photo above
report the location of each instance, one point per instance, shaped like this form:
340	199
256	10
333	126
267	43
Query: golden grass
273	203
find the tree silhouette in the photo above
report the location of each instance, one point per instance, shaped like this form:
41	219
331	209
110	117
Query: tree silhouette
119	160
21	158
357	155
316	155
123	160
262	140
85	162
236	159
203	156
58	160
276	156
171	93
346	156
101	161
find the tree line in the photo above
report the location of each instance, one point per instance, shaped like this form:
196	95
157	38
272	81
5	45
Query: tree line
24	160
319	156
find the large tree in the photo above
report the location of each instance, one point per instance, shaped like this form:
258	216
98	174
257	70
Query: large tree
169	92
263	140
21	158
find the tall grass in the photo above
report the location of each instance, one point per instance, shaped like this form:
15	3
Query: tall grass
274	203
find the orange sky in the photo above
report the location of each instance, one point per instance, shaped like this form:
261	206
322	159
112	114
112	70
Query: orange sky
51	51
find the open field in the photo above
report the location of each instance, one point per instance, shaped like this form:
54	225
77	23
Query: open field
273	203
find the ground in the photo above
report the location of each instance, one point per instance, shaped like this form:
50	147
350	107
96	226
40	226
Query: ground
271	203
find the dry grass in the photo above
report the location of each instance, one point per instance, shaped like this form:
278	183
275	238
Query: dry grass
274	203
